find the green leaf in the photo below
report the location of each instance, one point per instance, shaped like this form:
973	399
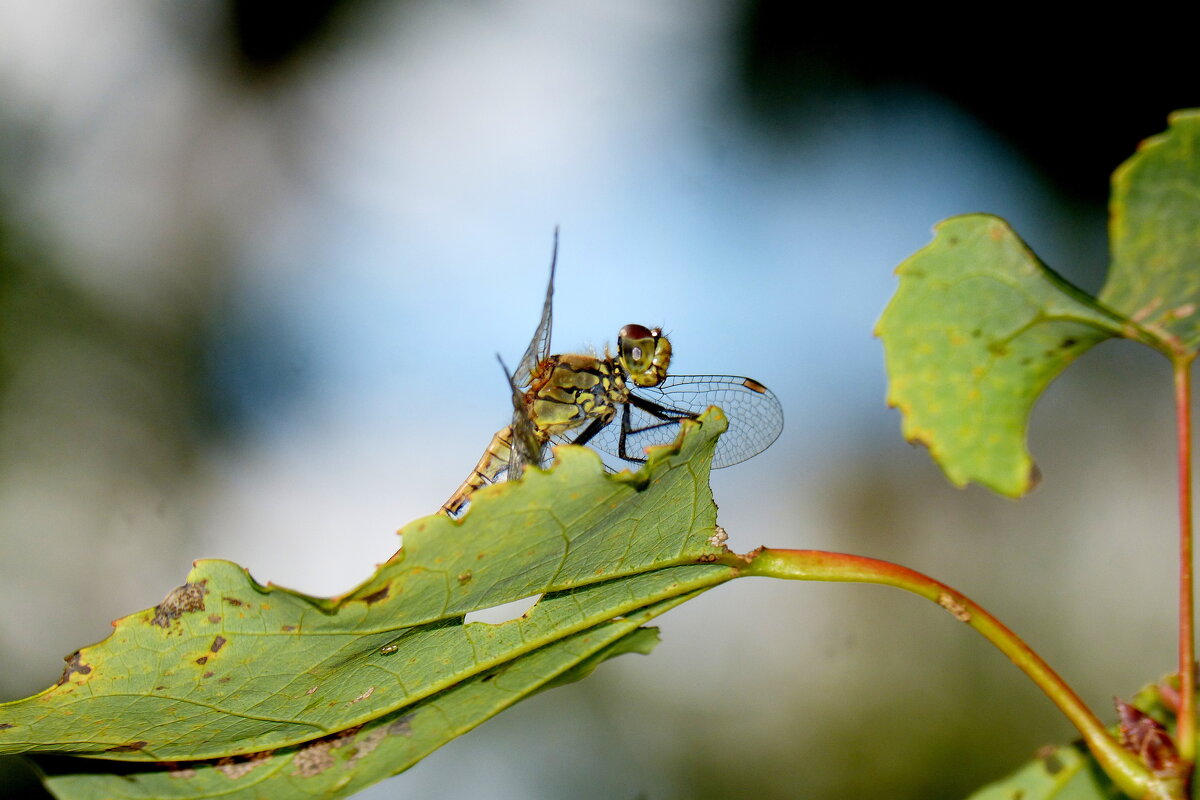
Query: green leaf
1064	773
976	331
979	326
225	666
1155	236
344	763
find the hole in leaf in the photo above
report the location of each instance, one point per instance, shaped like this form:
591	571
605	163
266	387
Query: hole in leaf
505	612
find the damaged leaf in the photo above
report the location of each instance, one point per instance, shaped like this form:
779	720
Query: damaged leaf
976	331
979	326
229	679
346	762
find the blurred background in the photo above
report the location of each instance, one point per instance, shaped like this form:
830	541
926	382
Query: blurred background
256	261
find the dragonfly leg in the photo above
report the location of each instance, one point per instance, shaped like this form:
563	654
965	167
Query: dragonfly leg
667	415
594	427
493	461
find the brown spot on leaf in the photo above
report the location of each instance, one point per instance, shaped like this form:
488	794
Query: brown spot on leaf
310	691
288	628
225	679
706	558
75	666
202	660
401	727
233	601
214	618
465	577
160	688
313	758
6	725
375	597
179	601
368	744
209	674
132	747
234	767
217	644
364	695
343	737
175	771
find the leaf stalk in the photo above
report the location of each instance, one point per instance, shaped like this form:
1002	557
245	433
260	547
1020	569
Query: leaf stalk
1186	724
1123	767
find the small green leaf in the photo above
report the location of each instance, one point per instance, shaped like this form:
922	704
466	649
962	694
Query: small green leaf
977	329
226	667
1063	773
1154	229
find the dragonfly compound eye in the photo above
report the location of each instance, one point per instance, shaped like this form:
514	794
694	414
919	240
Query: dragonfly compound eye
644	354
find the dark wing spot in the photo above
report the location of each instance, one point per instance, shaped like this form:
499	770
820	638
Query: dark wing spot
754	385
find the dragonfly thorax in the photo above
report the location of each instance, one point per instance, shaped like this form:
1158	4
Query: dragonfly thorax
644	354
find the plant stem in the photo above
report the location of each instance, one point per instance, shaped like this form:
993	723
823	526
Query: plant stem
1185	736
1125	769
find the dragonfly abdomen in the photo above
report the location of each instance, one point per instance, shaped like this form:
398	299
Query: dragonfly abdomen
493	461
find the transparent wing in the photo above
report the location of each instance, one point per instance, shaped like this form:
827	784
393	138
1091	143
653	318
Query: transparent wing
526	449
539	346
653	414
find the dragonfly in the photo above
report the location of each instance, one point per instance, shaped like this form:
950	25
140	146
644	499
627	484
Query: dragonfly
620	404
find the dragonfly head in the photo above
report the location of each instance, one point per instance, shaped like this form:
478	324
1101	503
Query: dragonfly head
644	354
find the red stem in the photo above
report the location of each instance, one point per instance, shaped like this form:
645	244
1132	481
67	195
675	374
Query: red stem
1125	769
1186	731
